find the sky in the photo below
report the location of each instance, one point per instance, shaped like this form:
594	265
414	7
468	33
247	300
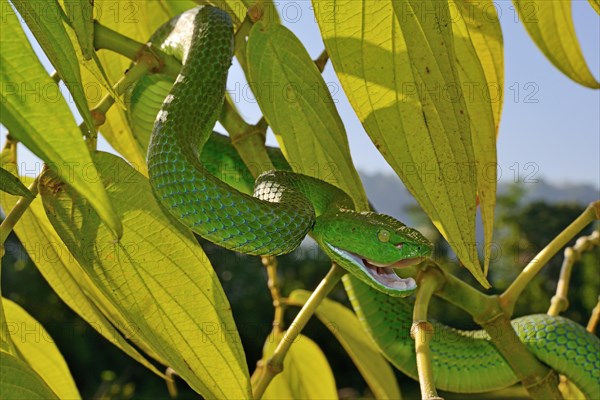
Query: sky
550	126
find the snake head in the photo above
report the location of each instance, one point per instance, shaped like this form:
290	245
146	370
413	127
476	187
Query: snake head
370	245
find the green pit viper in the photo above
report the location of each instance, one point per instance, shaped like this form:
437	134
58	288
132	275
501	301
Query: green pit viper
185	157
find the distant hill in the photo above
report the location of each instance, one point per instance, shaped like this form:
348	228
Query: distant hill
389	195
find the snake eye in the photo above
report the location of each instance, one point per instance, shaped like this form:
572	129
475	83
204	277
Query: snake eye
383	236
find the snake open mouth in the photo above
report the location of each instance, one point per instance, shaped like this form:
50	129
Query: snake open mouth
385	274
382	273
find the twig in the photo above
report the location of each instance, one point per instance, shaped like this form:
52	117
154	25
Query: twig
510	296
421	331
275	364
270	263
142	67
321	61
15	214
560	301
170	381
594	318
108	39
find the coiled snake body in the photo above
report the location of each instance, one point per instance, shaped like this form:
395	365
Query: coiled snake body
286	207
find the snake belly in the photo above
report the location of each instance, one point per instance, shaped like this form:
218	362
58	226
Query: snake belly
284	206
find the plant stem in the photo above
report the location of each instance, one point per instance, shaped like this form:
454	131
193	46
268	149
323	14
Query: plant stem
15	214
421	331
142	67
540	381
270	263
106	38
594	318
275	364
321	61
170	375
510	296
560	300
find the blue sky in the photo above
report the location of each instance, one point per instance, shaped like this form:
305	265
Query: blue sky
550	125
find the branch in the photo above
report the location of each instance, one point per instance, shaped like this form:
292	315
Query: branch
106	38
321	61
270	263
560	301
275	364
421	331
510	296
594	318
15	214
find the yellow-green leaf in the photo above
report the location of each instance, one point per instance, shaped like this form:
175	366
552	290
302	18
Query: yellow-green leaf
156	275
68	280
475	89
306	372
237	9
6	345
11	184
36	114
595	5
396	62
18	381
36	347
44	20
80	14
483	25
299	108
345	326
550	25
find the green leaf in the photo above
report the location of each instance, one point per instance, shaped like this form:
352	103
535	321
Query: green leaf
472	57
11	184
299	108
550	25
68	280
44	20
306	372
156	275
396	63
80	14
36	348
19	381
36	114
346	327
